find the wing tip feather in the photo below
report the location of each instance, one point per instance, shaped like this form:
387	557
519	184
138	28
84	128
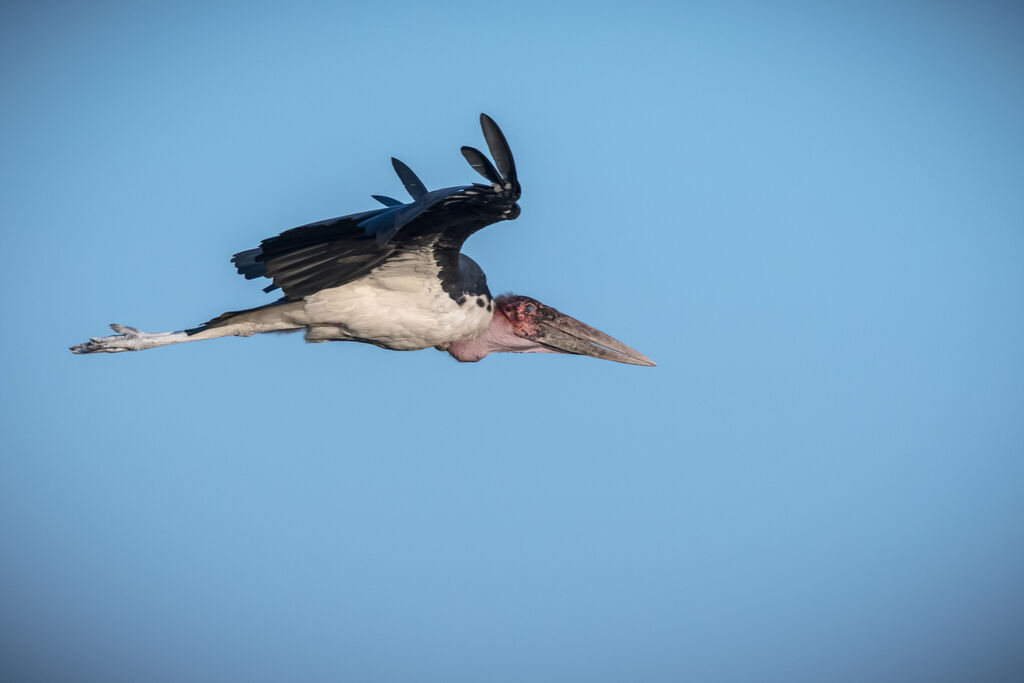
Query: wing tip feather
500	150
481	164
413	185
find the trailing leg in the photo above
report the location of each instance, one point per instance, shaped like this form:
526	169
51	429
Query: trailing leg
279	317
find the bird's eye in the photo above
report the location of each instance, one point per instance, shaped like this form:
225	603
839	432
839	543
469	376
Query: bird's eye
530	308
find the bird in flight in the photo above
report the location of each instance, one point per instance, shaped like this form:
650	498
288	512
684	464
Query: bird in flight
395	277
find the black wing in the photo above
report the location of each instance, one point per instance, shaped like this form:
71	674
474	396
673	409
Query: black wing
336	251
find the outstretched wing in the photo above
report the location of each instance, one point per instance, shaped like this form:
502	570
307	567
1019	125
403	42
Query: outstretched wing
336	251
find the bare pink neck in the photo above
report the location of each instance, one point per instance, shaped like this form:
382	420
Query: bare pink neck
499	337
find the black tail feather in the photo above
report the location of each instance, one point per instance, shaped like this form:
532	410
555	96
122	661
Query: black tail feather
225	317
247	265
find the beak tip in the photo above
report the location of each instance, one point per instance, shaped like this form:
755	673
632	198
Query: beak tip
564	334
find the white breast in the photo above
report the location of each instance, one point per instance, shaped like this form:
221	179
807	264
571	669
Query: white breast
399	306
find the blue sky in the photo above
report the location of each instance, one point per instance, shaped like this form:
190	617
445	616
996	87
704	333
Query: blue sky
810	216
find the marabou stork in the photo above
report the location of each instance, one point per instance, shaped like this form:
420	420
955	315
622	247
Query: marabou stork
395	277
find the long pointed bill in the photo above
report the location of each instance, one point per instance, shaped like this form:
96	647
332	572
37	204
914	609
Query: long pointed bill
565	334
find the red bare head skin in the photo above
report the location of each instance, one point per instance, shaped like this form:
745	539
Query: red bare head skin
522	312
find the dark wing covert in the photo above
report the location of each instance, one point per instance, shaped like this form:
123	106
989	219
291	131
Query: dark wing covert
333	252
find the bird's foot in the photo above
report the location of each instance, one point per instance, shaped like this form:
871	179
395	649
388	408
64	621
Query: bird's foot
127	339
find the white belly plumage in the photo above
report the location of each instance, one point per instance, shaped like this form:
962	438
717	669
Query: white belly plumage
399	306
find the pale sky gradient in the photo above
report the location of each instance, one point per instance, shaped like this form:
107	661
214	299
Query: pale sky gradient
811	217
